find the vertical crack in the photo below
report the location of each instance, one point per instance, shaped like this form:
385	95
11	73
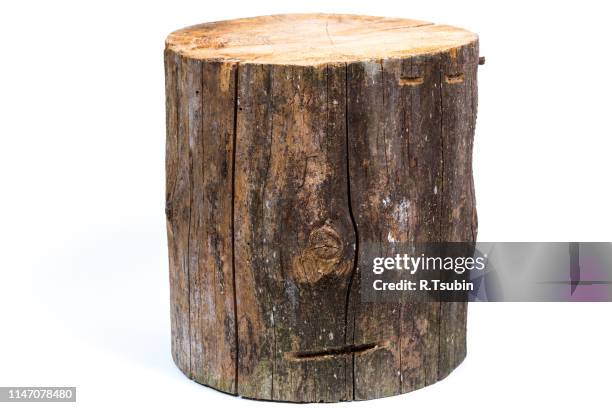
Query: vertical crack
236	338
274	358
354	223
263	196
384	127
401	374
472	83
186	266
440	209
170	198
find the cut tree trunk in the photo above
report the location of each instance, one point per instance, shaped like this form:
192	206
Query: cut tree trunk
292	140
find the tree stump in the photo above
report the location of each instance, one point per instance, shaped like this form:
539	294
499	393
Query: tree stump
291	141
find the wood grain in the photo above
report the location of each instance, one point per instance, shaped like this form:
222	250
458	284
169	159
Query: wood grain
458	221
315	39
198	207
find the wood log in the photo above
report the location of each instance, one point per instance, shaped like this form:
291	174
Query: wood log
292	140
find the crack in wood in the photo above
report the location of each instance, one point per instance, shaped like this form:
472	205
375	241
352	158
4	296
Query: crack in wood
333	352
453	78
233	229
354	225
411	81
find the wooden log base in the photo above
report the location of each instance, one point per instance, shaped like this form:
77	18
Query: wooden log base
293	143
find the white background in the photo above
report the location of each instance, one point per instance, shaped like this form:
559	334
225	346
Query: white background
83	264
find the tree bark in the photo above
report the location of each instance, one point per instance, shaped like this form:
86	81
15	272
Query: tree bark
277	176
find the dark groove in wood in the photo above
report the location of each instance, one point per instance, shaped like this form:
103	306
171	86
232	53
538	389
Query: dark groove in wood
411	81
441	209
189	249
354	224
453	78
233	229
334	352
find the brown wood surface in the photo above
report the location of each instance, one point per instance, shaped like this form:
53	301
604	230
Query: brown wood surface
315	39
279	174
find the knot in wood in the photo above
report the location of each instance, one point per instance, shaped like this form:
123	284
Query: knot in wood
325	243
323	256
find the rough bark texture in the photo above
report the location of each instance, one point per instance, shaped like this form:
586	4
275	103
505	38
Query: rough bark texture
277	176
